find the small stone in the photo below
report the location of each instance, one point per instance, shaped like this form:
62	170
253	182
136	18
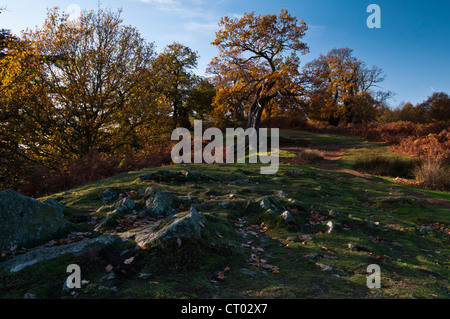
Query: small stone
425	230
335	213
287	216
247	272
224	204
330	227
109	276
325	267
109	195
280	194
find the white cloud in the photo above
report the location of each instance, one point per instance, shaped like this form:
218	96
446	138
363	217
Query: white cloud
207	27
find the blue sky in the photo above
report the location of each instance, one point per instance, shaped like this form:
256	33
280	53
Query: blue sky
412	46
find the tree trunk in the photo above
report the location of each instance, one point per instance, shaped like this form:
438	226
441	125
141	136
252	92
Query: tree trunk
254	116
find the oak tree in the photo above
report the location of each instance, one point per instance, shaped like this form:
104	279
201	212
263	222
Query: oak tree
91	67
258	61
175	80
337	82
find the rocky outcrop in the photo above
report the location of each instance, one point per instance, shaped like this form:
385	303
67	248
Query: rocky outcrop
25	220
182	225
116	211
19	262
160	204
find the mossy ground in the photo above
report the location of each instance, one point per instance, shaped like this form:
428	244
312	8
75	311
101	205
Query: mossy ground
412	265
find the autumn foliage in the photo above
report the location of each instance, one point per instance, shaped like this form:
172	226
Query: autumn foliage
86	99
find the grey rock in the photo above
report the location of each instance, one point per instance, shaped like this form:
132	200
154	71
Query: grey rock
110	195
55	203
292	203
147	191
272	203
330	227
161	204
247	272
25	220
182	225
425	230
121	208
125	204
109	276
325	267
224	204
280	194
19	262
335	213
287	216
311	256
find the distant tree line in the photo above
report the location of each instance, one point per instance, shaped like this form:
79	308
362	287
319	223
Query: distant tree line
435	109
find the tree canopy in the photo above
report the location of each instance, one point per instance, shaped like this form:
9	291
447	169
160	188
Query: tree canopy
258	61
340	88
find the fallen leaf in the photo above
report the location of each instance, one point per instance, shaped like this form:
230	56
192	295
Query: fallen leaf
109	268
221	276
226	269
128	261
179	242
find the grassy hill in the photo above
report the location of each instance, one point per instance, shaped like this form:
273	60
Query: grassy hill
247	253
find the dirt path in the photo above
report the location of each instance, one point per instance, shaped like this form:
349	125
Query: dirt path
333	156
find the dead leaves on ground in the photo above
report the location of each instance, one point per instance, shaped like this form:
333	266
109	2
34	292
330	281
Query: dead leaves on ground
244	229
221	275
131	222
70	239
316	218
257	261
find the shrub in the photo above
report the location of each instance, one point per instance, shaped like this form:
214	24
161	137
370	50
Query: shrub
308	155
39	181
433	173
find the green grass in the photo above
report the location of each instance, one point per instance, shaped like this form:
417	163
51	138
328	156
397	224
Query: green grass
393	166
412	265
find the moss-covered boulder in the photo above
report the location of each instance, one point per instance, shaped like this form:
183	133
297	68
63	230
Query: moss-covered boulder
182	225
26	221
